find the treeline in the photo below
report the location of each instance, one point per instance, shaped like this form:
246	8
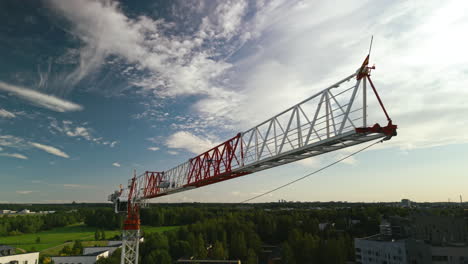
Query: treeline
102	218
243	235
252	234
34	223
106	218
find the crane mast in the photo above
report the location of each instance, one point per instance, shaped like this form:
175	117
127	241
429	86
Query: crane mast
332	119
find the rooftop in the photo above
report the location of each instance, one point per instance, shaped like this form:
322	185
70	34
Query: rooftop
6	247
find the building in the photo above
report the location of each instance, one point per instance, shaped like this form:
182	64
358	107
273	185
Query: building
90	258
90	254
383	250
7	255
439	230
115	243
405	203
418	239
91	250
450	255
6	250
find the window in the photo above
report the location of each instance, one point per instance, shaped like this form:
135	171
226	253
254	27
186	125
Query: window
440	258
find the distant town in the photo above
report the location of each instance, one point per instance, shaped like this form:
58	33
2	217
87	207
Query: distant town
23	212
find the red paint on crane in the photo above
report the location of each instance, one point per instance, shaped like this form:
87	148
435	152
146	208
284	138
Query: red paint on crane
152	183
215	164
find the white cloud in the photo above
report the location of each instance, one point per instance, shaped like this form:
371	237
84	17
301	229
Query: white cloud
24	192
70	129
14	155
153	148
40	99
79	132
14	142
6	114
163	61
116	164
289	62
171	152
11	141
190	142
77	186
250	67
49	149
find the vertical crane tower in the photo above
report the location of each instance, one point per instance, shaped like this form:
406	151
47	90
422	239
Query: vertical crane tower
332	119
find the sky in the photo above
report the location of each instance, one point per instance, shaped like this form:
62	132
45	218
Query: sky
91	90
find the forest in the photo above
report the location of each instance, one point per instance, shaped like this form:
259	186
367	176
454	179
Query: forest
24	224
255	234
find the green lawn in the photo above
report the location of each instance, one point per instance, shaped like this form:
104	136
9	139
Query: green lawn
52	241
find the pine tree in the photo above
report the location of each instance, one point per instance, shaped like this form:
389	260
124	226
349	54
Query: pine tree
77	248
218	251
251	257
238	248
200	247
287	254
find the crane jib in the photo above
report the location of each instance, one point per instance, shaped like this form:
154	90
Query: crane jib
335	118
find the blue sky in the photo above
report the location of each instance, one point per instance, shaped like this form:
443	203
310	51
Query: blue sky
90	90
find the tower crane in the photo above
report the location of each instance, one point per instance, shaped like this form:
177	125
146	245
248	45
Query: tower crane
332	119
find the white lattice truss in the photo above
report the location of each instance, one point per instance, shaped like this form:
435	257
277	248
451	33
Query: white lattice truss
324	122
130	246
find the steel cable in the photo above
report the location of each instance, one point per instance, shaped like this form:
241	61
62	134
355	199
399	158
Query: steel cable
314	172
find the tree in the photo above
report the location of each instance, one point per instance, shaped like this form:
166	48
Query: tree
103	235
181	249
251	257
66	251
287	254
159	256
77	248
200	248
238	248
96	235
218	252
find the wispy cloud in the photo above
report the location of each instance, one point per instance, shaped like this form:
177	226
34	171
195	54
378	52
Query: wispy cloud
116	164
14	142
6	114
164	61
40	99
244	58
79	131
172	152
49	149
153	148
190	142
14	155
24	192
77	186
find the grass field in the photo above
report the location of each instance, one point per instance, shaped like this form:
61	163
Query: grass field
52	241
